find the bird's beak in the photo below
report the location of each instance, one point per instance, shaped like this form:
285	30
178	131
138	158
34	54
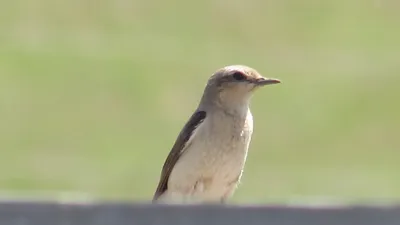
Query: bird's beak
266	81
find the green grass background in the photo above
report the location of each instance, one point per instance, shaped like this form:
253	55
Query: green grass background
94	93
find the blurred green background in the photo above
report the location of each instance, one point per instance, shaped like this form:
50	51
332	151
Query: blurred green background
94	93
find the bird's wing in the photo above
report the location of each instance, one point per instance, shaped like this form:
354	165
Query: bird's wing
178	149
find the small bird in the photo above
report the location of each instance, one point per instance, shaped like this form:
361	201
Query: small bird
207	159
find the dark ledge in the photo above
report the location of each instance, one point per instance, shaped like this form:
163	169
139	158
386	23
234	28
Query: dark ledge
52	213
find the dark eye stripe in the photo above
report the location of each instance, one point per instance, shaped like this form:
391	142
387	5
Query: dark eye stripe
238	76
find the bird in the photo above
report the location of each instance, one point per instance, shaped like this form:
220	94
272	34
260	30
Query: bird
206	161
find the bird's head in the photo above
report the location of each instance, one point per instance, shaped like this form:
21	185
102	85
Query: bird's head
235	84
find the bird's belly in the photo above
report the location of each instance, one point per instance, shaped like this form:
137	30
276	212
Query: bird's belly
209	173
212	165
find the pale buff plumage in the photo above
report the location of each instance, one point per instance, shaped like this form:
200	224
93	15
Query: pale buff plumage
207	160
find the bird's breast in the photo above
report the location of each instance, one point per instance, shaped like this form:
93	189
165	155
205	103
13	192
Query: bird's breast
222	146
217	153
229	143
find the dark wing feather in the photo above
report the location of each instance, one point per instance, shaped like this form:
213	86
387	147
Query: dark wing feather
177	150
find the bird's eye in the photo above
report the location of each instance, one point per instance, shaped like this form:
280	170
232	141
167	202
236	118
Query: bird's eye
238	76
